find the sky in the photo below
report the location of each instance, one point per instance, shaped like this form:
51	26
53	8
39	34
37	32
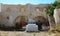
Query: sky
27	1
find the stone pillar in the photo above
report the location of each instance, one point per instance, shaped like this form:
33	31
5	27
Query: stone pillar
10	21
57	16
0	8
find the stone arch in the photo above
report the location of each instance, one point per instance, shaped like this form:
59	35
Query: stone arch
41	20
21	20
17	19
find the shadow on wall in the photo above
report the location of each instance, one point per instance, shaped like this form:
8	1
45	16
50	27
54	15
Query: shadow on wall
20	22
40	21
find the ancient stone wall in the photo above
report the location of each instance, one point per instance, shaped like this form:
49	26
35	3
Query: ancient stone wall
29	10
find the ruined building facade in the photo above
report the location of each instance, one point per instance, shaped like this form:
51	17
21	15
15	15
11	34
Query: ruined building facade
12	13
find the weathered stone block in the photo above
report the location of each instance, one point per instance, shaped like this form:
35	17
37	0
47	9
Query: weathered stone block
31	27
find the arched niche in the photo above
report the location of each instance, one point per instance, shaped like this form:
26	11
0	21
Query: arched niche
21	20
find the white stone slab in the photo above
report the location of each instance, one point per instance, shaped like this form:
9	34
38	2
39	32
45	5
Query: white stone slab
31	27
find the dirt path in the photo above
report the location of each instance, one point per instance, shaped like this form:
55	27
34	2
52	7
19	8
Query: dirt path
19	33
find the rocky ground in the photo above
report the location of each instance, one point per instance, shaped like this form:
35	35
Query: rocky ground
20	33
